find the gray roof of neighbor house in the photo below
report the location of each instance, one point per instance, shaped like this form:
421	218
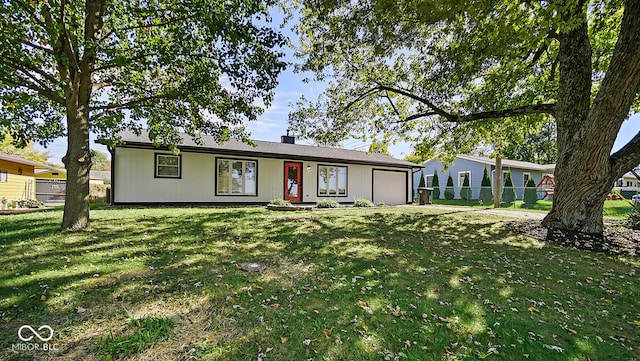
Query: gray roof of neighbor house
273	150
508	163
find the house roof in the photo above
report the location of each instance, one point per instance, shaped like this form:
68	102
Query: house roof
273	150
510	163
15	159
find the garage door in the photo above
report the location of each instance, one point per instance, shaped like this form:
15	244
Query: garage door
389	187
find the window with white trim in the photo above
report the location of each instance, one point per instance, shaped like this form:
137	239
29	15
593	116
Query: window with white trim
332	181
168	166
236	177
4	175
428	180
461	177
525	178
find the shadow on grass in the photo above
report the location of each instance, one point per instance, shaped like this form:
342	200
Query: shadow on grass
356	284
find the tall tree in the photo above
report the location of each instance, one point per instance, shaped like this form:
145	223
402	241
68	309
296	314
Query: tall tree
71	67
445	73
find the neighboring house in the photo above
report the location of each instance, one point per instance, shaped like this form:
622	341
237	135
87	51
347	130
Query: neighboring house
236	172
628	185
474	167
18	176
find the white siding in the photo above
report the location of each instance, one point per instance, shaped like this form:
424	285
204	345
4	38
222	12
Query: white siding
134	180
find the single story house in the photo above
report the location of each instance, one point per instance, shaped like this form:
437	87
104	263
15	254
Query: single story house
473	166
236	172
19	177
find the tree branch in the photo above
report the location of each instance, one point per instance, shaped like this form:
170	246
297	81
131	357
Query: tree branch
627	157
25	68
420	99
386	95
46	92
505	113
131	103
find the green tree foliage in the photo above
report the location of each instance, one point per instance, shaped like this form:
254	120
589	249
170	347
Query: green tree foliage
422	183
8	146
379	147
441	74
486	192
530	192
415	158
435	183
465	191
71	67
448	190
508	192
99	160
536	147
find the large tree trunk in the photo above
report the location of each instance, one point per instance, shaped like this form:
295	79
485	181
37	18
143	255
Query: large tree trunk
77	162
586	170
78	95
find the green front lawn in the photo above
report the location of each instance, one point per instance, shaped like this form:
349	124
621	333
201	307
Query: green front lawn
613	210
413	283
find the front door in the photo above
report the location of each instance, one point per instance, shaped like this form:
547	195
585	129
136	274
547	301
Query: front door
293	181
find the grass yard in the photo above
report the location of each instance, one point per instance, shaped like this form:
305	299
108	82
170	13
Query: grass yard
613	210
356	284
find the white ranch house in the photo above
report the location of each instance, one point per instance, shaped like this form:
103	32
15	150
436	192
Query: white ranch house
238	173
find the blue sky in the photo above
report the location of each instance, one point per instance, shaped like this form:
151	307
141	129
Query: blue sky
273	122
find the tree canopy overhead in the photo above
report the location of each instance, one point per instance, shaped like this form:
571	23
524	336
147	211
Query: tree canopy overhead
449	74
70	67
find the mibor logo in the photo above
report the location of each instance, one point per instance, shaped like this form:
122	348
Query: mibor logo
27	333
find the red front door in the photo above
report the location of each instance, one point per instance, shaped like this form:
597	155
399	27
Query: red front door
293	181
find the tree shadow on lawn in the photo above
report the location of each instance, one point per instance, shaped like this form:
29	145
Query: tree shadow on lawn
342	285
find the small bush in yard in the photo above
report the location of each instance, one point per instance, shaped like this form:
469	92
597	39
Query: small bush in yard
448	190
280	202
530	193
435	184
363	203
328	203
465	191
508	193
486	194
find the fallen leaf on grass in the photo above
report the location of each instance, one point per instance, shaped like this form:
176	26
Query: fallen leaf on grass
361	304
533	309
284	339
570	330
554	348
327	333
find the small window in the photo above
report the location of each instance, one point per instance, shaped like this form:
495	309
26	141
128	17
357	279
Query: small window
4	175
428	180
332	181
168	166
525	178
461	177
236	177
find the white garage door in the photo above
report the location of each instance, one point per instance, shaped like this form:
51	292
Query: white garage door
389	187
